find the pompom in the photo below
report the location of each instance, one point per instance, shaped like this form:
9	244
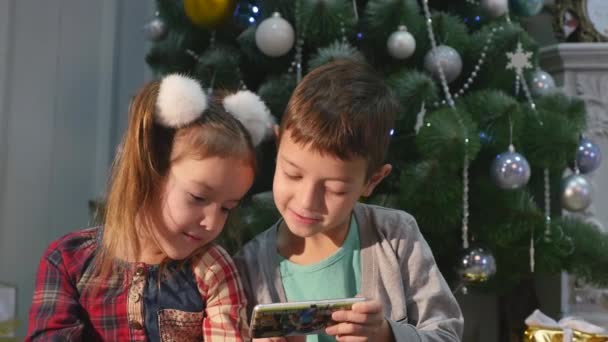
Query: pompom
251	111
181	100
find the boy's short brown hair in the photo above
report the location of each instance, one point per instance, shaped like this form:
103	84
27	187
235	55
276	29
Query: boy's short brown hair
345	109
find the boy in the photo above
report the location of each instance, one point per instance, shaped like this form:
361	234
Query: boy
332	143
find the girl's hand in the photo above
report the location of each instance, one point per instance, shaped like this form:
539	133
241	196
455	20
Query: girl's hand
364	322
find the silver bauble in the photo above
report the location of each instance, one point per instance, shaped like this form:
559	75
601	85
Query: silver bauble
401	44
541	83
495	8
577	192
274	36
155	30
450	61
588	156
476	265
510	170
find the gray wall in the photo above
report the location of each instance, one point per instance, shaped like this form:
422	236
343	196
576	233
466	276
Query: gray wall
67	71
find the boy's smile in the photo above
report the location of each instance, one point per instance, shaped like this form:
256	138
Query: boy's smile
305	218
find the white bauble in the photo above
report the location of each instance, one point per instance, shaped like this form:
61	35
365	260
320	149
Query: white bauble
495	8
274	36
401	44
155	30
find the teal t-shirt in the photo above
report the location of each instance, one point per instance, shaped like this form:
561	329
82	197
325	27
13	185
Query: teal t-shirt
337	276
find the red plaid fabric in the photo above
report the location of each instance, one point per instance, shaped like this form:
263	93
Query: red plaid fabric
220	284
64	308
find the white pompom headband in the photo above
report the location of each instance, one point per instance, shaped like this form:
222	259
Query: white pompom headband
181	100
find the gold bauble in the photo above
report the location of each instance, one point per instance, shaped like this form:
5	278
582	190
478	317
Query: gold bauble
209	13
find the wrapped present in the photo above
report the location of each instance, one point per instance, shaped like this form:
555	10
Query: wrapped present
542	328
8	298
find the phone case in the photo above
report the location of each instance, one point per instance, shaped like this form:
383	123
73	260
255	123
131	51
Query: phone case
296	318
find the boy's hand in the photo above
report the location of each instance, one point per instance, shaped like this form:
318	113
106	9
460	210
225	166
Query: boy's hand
364	322
281	339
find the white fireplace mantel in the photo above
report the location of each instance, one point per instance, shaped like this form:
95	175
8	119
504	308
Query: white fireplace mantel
581	70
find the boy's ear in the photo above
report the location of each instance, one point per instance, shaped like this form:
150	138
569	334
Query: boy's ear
376	178
277	132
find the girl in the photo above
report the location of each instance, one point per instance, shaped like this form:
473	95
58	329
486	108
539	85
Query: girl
151	272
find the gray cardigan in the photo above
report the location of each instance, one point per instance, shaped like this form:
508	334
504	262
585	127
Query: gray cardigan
398	269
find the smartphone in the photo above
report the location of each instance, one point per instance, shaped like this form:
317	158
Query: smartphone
296	318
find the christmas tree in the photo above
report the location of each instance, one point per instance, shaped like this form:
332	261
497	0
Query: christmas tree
479	150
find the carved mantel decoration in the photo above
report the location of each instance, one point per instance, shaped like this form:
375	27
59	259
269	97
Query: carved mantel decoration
593	89
582	70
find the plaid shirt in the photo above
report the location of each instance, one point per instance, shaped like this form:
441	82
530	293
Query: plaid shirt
203	300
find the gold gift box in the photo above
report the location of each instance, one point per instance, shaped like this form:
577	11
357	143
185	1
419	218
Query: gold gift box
540	334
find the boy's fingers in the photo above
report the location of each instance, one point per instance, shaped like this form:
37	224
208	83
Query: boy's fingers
352	338
345	329
357	318
350	316
368	307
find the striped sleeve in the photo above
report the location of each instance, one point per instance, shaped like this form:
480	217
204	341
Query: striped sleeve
225	304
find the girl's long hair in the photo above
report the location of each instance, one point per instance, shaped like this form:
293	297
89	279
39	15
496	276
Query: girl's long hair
142	162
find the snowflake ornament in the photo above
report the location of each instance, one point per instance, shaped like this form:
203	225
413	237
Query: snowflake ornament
519	59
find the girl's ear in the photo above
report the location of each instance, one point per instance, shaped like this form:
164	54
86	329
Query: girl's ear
376	178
